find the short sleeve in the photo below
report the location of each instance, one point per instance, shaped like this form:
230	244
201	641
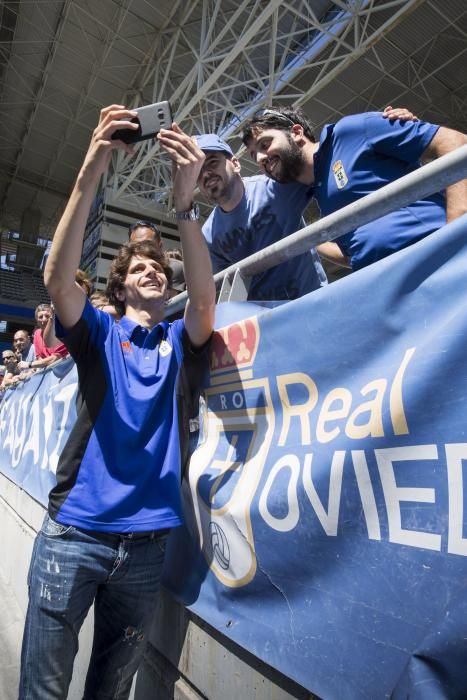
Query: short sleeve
91	330
403	140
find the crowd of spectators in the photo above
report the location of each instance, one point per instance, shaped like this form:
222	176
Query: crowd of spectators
28	355
43	349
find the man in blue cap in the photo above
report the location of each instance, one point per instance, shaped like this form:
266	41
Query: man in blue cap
250	214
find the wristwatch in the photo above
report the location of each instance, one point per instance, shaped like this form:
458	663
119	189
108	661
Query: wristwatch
190	215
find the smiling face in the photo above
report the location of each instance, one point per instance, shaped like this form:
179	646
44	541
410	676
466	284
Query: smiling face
145	283
9	360
42	316
219	177
21	341
278	154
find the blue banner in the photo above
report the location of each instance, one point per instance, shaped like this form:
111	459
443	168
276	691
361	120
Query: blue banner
326	499
36	418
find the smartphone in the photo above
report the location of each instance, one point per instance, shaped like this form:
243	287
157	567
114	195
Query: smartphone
150	120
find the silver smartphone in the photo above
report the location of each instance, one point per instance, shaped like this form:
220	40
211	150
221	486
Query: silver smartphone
150	120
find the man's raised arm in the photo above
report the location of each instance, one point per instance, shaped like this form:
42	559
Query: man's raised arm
67	244
188	160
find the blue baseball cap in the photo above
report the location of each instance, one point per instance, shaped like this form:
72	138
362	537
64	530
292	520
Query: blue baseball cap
212	142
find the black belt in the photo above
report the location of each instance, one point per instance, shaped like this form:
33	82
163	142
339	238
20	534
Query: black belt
148	535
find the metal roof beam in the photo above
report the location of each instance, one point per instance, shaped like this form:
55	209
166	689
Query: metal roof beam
248	35
347	45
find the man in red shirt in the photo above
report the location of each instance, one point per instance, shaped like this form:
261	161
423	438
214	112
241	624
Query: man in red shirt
46	355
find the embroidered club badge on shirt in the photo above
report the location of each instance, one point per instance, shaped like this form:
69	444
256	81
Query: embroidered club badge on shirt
340	175
164	348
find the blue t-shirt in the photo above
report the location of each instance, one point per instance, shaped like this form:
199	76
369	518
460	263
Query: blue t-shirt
267	213
357	156
120	468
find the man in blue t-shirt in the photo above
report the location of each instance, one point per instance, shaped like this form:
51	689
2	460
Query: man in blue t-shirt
118	477
354	157
250	214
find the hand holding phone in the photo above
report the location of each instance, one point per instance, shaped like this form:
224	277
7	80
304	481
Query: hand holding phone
150	120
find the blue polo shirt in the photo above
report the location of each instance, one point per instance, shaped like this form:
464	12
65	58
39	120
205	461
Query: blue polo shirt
120	468
357	156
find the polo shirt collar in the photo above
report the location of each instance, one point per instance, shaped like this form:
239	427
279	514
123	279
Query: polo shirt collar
325	133
317	157
133	330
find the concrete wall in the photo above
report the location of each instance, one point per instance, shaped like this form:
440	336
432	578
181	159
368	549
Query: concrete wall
185	658
20	519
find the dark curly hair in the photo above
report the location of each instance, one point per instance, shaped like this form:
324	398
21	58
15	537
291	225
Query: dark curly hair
120	265
276	118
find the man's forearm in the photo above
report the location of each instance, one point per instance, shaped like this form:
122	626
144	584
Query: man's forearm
41	362
187	161
199	311
67	244
48	334
197	265
456	200
445	141
65	252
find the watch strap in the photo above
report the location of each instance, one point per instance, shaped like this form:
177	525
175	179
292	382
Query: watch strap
189	215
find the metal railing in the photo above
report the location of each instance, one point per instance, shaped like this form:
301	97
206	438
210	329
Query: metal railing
424	181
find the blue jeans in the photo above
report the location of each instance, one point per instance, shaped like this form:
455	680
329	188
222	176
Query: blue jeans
70	570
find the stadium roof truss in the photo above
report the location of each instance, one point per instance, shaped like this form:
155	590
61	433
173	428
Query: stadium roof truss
217	62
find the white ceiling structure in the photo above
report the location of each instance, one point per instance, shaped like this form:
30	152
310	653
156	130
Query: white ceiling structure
217	61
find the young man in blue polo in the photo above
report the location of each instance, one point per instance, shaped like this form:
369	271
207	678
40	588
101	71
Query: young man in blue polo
118	478
354	157
147	231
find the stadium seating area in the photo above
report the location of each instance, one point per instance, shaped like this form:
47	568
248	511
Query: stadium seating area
23	286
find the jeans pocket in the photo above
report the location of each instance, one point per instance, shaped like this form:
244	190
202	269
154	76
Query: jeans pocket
50	527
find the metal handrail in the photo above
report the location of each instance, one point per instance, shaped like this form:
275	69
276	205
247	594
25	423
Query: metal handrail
420	183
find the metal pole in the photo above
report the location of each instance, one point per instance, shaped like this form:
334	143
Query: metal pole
424	181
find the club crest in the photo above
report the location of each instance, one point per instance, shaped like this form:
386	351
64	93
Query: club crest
340	175
164	348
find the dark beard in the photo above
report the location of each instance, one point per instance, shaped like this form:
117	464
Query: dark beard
222	192
292	163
